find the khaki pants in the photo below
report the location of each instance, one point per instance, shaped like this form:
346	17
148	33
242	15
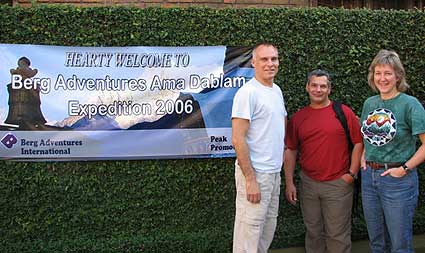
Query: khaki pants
326	208
255	224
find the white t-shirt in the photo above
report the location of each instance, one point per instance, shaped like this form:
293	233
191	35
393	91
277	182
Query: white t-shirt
264	107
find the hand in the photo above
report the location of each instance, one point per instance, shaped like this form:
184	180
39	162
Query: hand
291	193
363	163
395	172
253	193
347	178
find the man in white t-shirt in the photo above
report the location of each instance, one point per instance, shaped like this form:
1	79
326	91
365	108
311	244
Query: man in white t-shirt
258	133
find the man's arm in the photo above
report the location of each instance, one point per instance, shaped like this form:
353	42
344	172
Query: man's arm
356	156
239	132
289	165
285	122
357	153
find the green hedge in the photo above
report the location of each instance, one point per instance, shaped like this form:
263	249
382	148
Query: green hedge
185	205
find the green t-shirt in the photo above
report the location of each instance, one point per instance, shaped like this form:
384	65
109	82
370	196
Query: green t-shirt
390	128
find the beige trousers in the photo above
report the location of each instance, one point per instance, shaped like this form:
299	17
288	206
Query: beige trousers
255	224
326	208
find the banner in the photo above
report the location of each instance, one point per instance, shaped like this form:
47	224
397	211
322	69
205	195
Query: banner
92	103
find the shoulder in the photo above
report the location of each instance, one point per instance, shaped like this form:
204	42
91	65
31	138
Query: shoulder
347	110
248	85
412	105
246	89
371	99
411	100
276	87
300	113
371	102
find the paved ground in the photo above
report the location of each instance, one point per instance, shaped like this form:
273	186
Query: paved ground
361	246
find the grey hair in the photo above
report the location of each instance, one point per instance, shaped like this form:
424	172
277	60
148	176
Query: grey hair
319	73
266	44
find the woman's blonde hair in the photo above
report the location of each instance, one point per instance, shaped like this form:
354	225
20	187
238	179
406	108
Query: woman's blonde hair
391	58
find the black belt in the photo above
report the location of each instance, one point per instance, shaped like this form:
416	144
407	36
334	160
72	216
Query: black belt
377	166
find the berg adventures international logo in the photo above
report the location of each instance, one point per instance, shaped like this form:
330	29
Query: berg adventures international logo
9	140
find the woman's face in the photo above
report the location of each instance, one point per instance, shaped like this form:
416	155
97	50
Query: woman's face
385	80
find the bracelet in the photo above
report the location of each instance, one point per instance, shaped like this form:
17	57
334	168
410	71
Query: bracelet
354	176
406	168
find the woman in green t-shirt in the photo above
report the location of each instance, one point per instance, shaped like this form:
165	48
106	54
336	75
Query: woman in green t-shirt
391	123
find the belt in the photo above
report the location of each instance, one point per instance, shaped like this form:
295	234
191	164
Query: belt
377	166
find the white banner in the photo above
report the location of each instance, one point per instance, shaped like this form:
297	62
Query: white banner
88	103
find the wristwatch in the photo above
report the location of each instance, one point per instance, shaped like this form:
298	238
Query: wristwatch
406	168
354	176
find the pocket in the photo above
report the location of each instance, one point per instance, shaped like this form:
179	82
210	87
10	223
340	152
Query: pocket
389	175
397	182
240	181
343	182
255	214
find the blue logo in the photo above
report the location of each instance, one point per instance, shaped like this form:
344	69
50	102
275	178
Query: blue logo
9	140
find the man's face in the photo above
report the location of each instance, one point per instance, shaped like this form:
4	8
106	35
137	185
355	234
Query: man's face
318	90
266	63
